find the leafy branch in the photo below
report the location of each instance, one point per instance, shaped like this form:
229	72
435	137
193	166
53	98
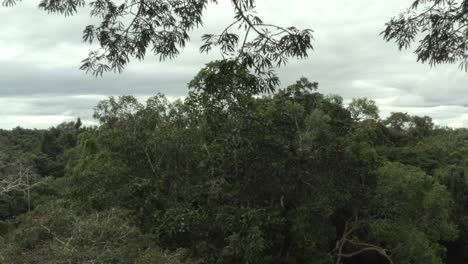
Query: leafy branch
162	27
440	29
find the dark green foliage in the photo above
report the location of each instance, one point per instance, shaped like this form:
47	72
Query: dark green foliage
57	234
30	162
131	29
440	28
228	176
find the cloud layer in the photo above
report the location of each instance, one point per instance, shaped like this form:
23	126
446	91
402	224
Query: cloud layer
41	86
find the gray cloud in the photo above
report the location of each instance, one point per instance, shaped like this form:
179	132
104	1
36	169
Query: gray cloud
40	84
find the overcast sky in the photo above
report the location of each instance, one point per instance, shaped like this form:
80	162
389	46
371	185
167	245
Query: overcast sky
41	85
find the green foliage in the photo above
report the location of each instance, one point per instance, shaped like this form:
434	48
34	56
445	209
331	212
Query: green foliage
408	199
438	26
229	176
57	234
363	109
129	30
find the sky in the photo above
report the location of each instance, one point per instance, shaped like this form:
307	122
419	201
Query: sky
41	84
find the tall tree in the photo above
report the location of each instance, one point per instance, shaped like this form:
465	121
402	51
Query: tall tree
363	109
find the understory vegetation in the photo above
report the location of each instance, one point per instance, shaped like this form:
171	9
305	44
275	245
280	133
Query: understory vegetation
228	175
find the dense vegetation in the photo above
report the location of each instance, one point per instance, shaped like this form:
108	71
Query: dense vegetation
228	176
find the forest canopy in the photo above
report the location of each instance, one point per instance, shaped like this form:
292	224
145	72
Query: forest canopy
230	176
239	171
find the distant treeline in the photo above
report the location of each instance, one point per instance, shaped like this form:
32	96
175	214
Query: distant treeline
227	176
